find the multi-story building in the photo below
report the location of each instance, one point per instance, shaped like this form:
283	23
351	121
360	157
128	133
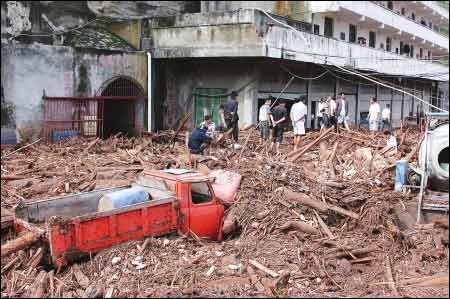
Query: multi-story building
253	45
159	60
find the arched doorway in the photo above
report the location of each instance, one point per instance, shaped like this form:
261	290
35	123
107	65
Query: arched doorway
123	107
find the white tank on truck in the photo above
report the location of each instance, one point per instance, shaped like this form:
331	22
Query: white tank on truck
435	148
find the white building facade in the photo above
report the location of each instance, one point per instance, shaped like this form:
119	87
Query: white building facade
253	45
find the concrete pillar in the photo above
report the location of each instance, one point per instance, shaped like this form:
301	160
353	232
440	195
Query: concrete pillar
402	113
357	113
309	105
248	107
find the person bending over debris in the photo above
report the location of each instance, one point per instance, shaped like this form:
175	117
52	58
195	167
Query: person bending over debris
208	123
231	115
264	120
374	114
391	144
199	140
298	115
278	116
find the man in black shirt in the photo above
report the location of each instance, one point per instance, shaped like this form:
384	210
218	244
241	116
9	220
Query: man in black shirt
231	115
278	116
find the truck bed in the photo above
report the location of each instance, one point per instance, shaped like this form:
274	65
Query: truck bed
83	204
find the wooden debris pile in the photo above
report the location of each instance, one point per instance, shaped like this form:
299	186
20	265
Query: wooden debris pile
320	221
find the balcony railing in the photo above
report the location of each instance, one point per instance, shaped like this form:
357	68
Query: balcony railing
379	3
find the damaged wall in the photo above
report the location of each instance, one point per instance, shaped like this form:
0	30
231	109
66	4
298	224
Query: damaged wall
62	71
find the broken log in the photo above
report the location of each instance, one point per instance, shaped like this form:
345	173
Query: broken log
92	144
357	252
12	177
180	127
305	200
295	156
254	279
438	280
390	278
19	149
263	268
9	265
299	226
19	243
320	206
39	286
323	225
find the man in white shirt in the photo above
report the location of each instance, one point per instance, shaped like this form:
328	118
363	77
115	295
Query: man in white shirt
264	120
386	117
321	114
374	115
298	117
332	112
208	123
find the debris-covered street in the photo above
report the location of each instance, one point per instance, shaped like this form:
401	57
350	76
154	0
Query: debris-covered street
222	149
281	246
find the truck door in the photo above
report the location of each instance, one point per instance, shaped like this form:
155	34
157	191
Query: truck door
205	213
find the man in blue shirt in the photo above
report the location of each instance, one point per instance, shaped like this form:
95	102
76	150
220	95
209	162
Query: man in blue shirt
199	140
231	115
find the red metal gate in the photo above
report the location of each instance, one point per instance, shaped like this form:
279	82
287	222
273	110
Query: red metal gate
85	116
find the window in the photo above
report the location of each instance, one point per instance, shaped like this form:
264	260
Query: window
342	35
413	16
316	29
390	5
396	50
200	193
352	33
401	48
421	53
388	44
411	53
429	55
403	11
328	31
372	39
382	46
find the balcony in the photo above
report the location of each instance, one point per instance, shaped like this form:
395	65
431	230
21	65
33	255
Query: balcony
249	33
369	11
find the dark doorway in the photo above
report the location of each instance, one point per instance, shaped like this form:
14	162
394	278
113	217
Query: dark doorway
125	111
372	39
352	33
328	29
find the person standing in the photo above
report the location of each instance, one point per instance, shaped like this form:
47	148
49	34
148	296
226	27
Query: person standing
342	111
278	116
332	112
322	115
298	116
231	115
264	120
374	115
386	118
222	123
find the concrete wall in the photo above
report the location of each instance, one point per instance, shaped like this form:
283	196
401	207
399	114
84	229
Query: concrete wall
62	71
232	37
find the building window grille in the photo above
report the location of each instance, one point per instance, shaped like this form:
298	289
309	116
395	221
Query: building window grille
316	29
390	5
372	39
342	35
352	33
421	53
403	11
388	44
328	30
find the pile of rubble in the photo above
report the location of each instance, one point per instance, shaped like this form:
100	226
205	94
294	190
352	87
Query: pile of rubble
321	221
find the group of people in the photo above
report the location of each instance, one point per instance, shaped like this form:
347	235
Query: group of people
273	115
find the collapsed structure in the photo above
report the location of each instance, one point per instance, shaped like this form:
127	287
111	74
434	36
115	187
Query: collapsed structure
96	60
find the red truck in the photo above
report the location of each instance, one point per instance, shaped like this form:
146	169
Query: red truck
73	226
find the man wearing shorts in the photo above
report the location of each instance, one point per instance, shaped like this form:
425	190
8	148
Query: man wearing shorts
342	112
278	116
264	120
374	115
298	115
